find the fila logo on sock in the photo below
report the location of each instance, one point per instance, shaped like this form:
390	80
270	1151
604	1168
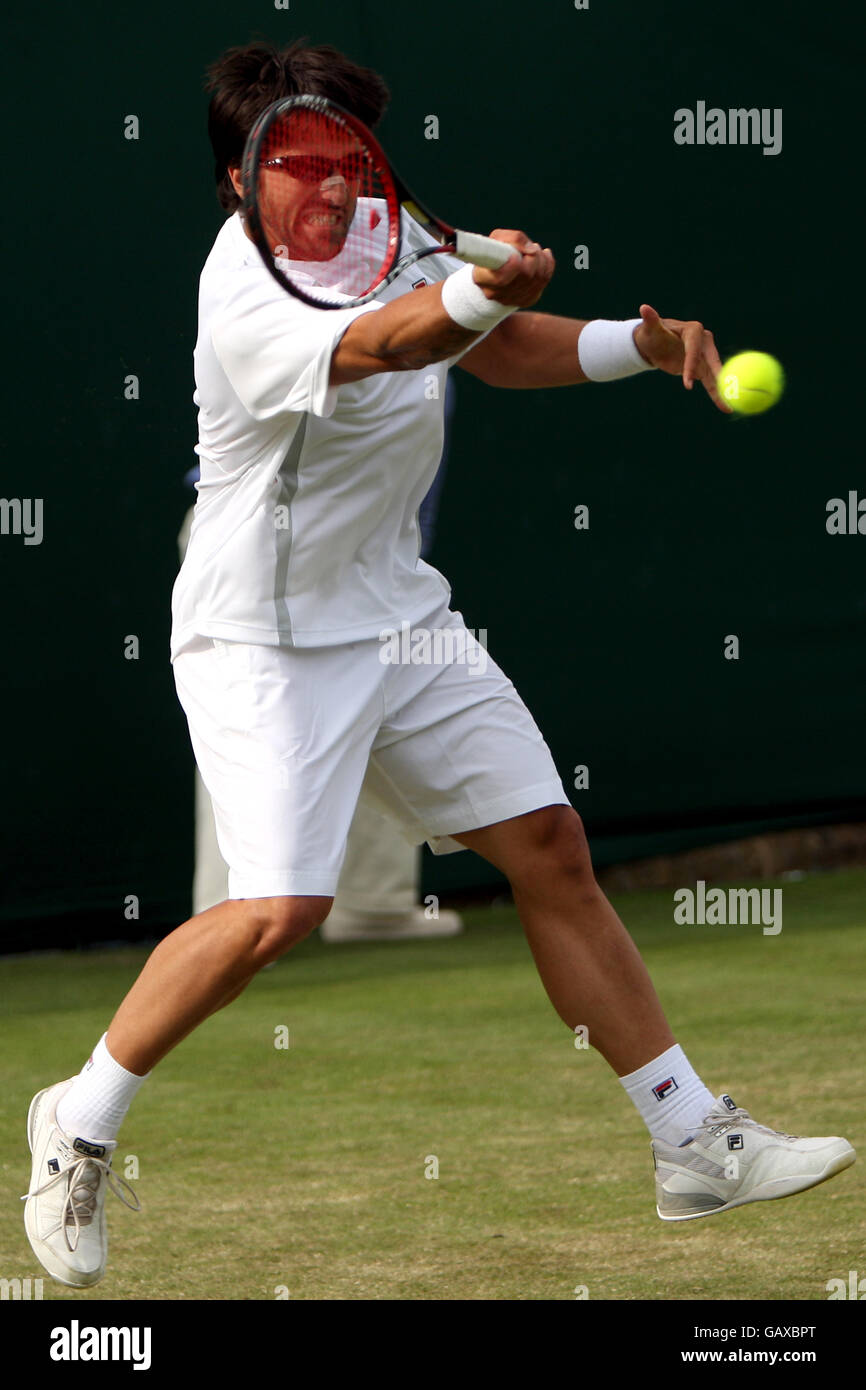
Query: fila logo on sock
664	1088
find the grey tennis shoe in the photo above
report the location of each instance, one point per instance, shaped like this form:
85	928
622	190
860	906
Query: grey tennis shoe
731	1160
64	1213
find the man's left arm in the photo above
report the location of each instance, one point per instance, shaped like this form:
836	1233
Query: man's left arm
532	350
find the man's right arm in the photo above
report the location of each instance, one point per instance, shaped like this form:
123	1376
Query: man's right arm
415	330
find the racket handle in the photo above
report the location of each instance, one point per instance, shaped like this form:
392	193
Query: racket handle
482	250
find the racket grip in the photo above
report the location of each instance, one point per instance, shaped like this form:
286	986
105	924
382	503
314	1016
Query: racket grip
482	250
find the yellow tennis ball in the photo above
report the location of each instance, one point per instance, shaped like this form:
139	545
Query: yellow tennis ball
751	382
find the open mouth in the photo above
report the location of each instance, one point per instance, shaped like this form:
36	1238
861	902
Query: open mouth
325	219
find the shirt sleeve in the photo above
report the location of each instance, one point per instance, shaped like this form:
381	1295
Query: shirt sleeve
276	351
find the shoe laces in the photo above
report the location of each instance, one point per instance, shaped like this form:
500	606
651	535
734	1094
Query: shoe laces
79	1206
717	1124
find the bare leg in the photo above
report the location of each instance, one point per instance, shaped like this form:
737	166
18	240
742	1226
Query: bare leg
588	963
202	966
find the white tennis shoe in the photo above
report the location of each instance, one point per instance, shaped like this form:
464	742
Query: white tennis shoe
731	1160
64	1215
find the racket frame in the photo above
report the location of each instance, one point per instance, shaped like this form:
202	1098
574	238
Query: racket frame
392	265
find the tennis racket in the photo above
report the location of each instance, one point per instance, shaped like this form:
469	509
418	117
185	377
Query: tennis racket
323	207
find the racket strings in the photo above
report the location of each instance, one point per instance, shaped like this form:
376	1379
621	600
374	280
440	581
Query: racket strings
326	203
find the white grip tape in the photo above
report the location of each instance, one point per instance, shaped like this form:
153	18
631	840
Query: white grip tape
482	250
607	352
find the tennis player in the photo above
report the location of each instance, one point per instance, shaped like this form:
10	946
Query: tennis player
318	438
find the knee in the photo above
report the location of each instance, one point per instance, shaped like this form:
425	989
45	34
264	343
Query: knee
278	924
559	846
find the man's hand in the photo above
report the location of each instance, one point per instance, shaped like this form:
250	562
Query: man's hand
524	278
686	349
414	330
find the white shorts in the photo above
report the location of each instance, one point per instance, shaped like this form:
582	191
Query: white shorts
286	737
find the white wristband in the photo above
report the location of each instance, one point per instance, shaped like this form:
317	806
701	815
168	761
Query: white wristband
467	304
606	350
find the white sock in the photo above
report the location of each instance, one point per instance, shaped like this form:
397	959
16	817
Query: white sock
96	1103
671	1097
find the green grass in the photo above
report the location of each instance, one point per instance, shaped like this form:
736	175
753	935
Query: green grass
305	1167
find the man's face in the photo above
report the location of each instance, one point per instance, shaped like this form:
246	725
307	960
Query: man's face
308	188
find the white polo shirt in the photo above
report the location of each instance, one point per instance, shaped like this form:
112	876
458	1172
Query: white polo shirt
305	530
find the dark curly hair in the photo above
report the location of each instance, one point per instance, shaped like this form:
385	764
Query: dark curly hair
246	80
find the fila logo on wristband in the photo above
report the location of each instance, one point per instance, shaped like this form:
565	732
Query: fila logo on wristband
664	1088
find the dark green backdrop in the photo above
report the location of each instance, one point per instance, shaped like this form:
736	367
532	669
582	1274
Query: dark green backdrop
553	119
